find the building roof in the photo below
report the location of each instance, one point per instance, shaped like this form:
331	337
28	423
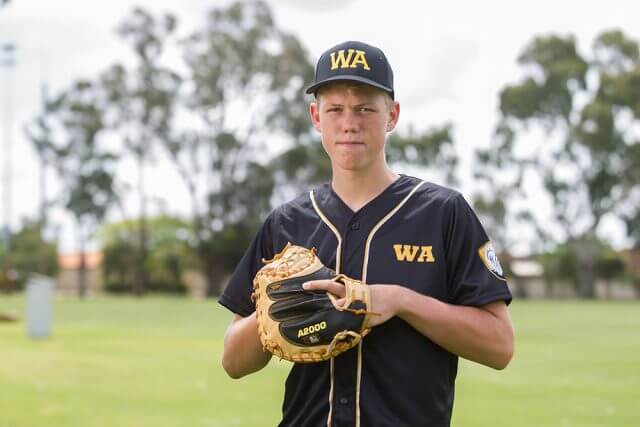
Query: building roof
71	261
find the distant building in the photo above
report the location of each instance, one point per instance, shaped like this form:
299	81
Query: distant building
526	279
632	257
69	264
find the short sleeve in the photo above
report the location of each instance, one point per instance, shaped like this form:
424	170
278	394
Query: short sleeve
237	294
474	274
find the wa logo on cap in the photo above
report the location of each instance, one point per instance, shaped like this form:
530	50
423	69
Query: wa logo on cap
351	60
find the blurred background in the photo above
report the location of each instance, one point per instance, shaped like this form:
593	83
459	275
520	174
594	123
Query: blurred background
143	143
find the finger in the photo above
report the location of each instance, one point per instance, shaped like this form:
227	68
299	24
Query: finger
325	285
317	285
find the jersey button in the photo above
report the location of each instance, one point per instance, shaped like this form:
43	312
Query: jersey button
344	400
355	226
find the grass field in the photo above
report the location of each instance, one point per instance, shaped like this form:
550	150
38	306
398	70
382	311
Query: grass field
120	362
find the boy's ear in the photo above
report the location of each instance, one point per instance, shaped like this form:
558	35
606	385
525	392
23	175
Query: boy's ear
314	114
394	116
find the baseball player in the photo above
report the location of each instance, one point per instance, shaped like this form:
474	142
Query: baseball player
433	274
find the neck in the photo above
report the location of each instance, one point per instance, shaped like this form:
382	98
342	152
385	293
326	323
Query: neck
357	188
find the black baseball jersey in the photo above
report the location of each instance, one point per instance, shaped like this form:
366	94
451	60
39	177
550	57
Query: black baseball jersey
415	234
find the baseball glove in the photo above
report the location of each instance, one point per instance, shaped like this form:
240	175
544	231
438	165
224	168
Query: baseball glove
307	326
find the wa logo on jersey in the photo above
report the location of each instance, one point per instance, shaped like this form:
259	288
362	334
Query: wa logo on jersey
490	259
412	253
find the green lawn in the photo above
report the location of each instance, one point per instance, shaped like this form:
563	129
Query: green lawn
155	362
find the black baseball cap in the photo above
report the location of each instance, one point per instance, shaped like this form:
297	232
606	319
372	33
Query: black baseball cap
355	61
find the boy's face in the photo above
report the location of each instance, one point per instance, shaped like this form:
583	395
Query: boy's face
353	121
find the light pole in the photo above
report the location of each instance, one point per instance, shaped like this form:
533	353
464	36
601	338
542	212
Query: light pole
7	60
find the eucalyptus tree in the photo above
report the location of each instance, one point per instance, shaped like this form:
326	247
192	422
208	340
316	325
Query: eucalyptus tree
568	127
29	240
243	99
82	160
142	102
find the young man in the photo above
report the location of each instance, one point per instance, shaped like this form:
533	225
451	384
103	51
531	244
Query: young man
432	271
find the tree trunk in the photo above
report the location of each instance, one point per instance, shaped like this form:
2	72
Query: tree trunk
586	252
549	285
211	268
141	276
586	285
213	272
82	267
5	282
636	286
521	290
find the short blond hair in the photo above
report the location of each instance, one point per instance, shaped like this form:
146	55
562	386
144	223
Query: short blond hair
355	86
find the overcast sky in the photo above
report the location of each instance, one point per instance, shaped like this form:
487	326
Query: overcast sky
450	60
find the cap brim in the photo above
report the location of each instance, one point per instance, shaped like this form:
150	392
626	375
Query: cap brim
314	87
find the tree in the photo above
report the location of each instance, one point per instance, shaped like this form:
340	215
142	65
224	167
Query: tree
170	254
431	149
610	266
560	264
617	59
83	163
583	160
26	242
239	65
143	101
38	131
7	274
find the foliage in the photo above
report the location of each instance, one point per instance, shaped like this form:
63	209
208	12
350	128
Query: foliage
240	63
80	160
587	161
433	148
169	254
27	251
610	266
68	135
142	102
559	264
563	263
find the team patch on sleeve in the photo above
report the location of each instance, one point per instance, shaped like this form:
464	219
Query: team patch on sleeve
490	259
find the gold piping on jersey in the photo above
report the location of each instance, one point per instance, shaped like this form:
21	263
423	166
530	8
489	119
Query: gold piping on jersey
330	416
365	266
338	256
380	223
332	227
358	375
